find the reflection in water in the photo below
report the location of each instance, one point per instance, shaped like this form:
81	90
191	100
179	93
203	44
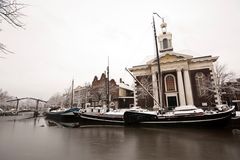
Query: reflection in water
34	139
62	124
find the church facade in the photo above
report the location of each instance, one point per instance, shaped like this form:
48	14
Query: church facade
181	80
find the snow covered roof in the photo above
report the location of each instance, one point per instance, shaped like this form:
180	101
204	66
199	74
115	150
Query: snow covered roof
125	86
179	57
204	58
176	54
171	53
172	57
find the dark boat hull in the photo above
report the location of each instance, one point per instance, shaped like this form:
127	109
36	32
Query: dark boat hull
148	120
100	119
63	116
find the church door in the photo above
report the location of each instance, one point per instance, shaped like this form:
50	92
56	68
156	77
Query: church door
172	102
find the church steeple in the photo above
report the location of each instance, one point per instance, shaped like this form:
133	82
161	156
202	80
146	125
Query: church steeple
165	38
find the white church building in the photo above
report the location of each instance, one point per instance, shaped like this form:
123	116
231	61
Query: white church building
182	77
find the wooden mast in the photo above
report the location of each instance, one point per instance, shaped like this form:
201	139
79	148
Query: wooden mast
142	86
108	85
72	94
159	75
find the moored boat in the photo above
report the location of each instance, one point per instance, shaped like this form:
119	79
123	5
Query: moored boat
98	116
62	115
181	116
108	118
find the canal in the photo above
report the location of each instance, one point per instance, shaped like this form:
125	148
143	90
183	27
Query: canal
34	139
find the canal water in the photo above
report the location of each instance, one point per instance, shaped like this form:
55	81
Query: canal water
34	139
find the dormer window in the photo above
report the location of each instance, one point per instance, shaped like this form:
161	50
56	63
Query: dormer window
165	43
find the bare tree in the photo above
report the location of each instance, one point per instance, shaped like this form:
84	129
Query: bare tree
4	96
146	81
98	94
27	104
56	100
219	85
85	93
10	12
67	97
61	99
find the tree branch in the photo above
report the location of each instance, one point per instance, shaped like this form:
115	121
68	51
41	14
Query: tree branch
10	13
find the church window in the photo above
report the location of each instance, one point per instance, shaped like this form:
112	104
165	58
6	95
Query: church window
200	79
170	83
165	43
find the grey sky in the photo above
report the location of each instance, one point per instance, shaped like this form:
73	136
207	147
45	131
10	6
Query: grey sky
63	39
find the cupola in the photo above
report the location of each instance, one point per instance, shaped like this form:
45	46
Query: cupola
165	38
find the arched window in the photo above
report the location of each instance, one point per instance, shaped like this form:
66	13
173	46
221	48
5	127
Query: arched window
170	83
165	43
200	79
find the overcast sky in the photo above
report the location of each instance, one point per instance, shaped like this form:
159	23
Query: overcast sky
65	39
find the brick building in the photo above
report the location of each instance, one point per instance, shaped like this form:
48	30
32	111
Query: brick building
81	95
120	95
231	94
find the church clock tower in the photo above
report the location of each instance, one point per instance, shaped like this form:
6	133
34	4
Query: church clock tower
165	38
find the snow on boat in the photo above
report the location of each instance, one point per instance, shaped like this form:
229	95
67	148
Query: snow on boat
181	116
95	116
63	115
